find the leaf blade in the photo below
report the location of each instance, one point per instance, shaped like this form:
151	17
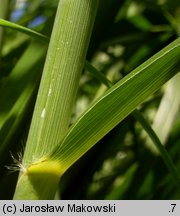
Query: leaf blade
117	103
30	32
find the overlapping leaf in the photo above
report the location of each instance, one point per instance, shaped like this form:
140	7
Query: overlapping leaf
117	103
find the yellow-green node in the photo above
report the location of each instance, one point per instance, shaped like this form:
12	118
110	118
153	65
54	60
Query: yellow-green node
36	179
45	167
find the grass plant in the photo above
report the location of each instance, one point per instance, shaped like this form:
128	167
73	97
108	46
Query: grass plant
62	72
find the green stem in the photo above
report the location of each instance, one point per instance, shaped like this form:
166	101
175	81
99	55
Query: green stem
59	84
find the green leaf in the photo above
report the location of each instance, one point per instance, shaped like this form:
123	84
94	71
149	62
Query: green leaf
164	154
3	14
32	33
146	126
17	91
98	74
119	101
168	109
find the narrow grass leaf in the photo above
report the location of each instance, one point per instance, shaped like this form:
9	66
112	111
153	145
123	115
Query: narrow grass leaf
168	109
30	32
119	101
97	74
17	91
163	152
146	126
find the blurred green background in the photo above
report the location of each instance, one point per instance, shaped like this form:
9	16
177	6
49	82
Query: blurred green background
123	164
